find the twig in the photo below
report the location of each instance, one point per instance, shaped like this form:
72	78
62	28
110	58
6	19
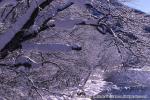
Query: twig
35	87
11	11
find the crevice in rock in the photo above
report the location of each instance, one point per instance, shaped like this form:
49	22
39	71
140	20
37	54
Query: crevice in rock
16	40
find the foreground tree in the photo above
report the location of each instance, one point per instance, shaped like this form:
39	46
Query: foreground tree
106	31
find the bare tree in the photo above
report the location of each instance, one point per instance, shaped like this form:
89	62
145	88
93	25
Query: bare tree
105	30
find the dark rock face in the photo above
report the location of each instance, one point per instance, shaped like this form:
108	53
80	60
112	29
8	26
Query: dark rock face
138	11
76	47
147	29
66	49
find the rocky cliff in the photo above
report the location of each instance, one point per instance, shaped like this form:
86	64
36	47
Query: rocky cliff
37	61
